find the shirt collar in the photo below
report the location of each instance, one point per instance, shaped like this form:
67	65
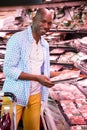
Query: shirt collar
30	36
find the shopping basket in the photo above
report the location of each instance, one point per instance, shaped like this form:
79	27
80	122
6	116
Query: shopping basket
7	111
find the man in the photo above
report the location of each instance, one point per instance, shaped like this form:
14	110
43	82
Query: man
27	69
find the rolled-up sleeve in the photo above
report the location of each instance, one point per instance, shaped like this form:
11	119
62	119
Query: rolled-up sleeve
12	58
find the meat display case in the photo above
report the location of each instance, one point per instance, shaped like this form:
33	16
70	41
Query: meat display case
72	103
53	116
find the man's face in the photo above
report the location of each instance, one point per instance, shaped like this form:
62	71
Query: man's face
43	24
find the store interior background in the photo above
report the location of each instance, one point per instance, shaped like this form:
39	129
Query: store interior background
67	40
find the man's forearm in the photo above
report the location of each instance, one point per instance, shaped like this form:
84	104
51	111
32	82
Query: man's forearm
42	79
26	76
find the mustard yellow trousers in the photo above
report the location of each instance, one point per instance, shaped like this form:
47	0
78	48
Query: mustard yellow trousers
30	114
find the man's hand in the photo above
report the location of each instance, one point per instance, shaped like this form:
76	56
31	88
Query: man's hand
45	81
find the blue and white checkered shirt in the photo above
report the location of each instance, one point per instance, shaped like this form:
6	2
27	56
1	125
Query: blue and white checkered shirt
17	61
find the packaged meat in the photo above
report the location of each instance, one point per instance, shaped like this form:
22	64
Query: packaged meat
57	51
67	75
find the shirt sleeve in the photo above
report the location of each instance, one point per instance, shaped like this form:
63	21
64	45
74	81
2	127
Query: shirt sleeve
12	57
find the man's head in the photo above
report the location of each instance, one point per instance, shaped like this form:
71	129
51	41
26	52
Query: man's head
42	21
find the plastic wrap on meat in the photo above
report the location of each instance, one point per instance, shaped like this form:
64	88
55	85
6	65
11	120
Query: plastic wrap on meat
66	75
57	51
55	67
79	127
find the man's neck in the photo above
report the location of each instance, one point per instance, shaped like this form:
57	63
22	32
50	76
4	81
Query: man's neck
35	36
